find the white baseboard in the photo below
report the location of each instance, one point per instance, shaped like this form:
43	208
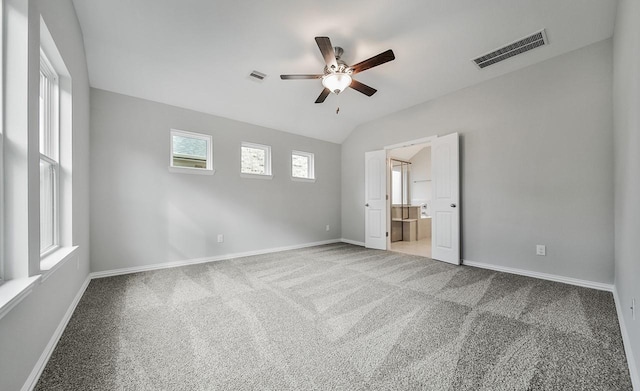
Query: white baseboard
32	380
633	371
544	276
166	265
349	241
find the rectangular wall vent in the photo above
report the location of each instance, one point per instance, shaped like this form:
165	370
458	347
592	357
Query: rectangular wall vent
257	75
520	46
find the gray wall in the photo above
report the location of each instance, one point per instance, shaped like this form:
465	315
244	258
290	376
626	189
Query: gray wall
28	327
536	164
141	214
626	83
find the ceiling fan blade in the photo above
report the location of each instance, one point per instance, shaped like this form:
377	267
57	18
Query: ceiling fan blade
324	44
374	61
365	89
323	95
299	77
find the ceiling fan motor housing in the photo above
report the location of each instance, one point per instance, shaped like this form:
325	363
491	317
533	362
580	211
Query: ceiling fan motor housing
342	66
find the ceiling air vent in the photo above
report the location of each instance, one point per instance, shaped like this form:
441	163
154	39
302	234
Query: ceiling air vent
258	76
520	46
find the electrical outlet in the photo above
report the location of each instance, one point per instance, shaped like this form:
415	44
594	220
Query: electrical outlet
633	309
220	238
541	249
328	228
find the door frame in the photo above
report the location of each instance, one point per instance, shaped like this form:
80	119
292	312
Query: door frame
427	142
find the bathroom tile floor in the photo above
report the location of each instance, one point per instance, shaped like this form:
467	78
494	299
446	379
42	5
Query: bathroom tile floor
419	247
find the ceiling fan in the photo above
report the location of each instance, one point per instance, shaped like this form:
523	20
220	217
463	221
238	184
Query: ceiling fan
337	74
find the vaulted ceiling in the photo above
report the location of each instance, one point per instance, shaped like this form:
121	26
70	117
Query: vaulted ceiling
197	54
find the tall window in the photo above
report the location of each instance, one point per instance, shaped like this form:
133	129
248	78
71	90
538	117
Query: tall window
49	157
256	159
2	92
302	165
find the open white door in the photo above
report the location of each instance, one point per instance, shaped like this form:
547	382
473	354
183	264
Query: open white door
445	199
375	204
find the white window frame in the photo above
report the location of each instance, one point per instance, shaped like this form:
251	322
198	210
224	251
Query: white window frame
209	170
2	153
311	175
267	163
52	141
1	174
63	120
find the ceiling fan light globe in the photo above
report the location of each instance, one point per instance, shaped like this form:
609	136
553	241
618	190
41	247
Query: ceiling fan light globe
336	82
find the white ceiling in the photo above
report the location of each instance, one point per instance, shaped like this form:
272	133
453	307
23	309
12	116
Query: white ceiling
197	54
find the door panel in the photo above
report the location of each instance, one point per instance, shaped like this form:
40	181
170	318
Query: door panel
375	200
375	220
443	171
446	199
375	170
444	222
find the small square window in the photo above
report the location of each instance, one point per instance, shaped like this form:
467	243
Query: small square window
255	159
302	166
191	152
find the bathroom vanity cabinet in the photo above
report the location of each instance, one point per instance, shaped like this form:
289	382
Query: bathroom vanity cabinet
408	224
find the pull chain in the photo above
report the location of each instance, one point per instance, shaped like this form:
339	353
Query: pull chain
337	104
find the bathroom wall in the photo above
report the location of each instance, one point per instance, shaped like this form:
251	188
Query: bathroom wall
421	177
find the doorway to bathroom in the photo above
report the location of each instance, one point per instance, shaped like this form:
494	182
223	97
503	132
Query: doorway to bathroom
442	202
410	191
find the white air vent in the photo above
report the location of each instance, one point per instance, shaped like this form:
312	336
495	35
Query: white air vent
520	46
258	76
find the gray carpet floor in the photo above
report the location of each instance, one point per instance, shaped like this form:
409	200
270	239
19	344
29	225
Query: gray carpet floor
337	317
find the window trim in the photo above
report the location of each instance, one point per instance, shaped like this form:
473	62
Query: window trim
267	163
209	170
14	291
311	170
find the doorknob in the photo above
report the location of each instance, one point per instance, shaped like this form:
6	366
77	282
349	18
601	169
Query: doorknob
367	205
453	205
